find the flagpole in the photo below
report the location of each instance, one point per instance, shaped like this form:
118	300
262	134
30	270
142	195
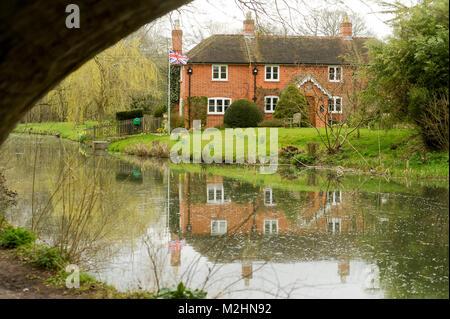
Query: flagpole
168	100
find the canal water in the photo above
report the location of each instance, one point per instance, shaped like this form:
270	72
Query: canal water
147	224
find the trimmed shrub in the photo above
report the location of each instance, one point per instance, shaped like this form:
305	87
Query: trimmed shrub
271	123
128	115
243	113
15	237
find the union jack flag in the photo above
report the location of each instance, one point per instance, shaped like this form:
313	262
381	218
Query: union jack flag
177	58
176	245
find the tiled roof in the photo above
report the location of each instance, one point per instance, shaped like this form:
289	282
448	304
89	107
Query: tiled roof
236	49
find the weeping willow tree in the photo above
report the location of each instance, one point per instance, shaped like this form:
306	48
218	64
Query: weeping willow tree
106	84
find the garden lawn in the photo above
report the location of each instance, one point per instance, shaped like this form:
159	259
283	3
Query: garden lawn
64	129
398	152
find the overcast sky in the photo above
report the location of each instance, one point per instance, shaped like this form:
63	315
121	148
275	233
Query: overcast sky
196	18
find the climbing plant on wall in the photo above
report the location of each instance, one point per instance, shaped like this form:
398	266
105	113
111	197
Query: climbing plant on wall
174	83
197	109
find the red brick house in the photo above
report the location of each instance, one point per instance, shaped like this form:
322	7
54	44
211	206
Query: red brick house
228	67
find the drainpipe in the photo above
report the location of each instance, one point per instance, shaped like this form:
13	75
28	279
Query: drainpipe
255	73
189	72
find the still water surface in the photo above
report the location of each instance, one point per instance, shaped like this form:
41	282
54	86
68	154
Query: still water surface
145	224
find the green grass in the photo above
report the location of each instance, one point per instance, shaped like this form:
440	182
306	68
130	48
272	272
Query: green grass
64	129
385	151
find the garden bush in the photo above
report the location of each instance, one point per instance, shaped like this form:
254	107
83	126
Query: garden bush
292	101
127	115
44	257
271	123
160	110
176	121
243	113
302	159
14	237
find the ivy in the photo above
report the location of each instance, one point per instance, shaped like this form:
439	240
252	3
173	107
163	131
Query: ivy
197	108
174	83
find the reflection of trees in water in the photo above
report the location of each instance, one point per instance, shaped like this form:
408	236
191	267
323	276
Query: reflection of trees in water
410	246
79	205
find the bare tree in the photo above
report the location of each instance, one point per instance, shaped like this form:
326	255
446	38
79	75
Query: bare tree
327	23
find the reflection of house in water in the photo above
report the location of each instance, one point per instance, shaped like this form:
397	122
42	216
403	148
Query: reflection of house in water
223	207
265	224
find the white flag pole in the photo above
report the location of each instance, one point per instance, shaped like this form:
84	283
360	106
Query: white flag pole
168	100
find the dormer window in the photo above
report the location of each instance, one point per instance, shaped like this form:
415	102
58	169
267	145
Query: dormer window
219	72
334	73
272	73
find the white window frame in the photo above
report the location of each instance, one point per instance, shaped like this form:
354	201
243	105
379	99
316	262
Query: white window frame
215	105
335	200
271	223
333	111
215	188
271	97
335	67
181	107
270	202
271	79
221	224
220	72
334	221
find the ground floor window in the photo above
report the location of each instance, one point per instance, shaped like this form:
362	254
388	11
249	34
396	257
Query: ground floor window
268	197
333	225
215	194
270	103
218	227
334	197
218	105
335	105
270	226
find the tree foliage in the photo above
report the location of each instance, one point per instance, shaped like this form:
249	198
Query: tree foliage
112	81
413	65
292	101
243	113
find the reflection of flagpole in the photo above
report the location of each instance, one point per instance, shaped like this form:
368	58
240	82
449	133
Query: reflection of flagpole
168	99
168	199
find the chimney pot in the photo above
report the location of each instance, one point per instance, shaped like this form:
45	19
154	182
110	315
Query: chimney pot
346	28
249	26
177	37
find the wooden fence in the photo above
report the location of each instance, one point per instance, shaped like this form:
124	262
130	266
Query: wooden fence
148	124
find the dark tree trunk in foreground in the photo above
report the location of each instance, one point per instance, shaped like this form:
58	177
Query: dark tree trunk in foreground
38	51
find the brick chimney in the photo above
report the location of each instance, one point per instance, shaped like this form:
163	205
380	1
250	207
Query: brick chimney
346	28
249	26
177	37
